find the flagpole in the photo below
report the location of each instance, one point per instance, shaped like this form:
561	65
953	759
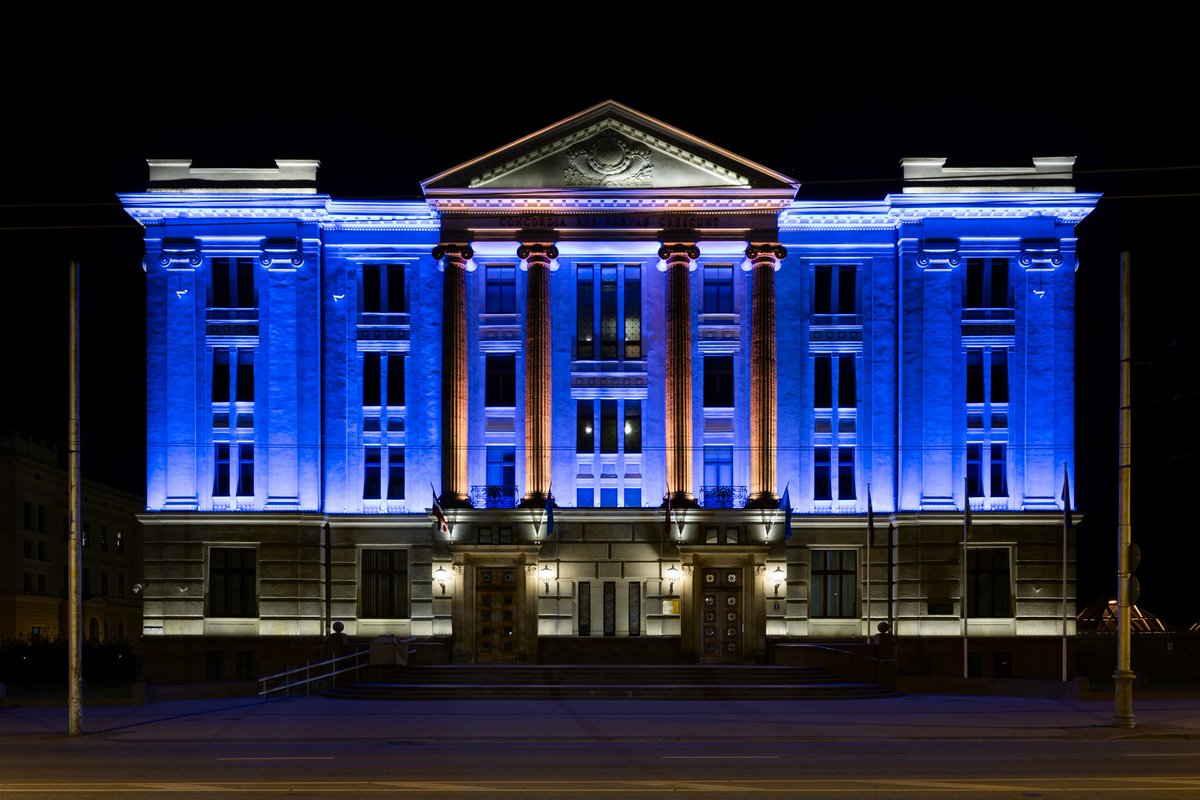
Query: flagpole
1066	524
966	533
869	532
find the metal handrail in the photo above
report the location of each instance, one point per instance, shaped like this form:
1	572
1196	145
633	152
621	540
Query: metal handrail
334	663
838	650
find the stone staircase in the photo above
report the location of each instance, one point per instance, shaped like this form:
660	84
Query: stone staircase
606	682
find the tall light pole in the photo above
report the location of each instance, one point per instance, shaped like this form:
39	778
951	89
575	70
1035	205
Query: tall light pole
75	503
1123	677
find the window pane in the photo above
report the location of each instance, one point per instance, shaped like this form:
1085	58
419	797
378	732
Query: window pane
395	288
232	582
585	436
608	313
999	482
395	380
718	381
371	473
975	375
974	470
974	295
999	376
846	473
633	426
608	427
847	290
823	290
823	382
1000	294
847	383
222	296
501	292
221	471
245	376
633	312
822	488
245	470
220	376
245	283
383	586
501	381
585	313
370	379
372	288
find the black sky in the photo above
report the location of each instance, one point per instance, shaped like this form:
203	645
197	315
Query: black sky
386	104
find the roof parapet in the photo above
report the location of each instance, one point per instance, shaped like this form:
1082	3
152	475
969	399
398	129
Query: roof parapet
293	176
930	175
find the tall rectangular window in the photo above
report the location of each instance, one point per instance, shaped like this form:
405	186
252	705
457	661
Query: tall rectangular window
585	345
500	387
822	486
987	284
383	584
372	473
846	490
501	466
718	467
834	590
245	469
633	313
847	381
989	585
999	476
395	380
245	376
383	289
395	481
501	290
974	470
633	426
608	313
835	291
585	435
975	375
999	391
372	385
221	470
220	375
232	284
608	426
823	381
718	381
232	582
718	290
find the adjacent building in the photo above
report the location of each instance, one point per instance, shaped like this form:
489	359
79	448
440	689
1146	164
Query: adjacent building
33	535
609	392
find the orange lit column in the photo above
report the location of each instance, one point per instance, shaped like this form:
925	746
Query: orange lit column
679	258
764	258
454	258
537	257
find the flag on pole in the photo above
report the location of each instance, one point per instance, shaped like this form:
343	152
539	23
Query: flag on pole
870	518
966	512
1066	498
549	513
785	503
443	525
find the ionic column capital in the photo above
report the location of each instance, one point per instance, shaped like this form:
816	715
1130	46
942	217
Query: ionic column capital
456	253
678	254
537	254
764	254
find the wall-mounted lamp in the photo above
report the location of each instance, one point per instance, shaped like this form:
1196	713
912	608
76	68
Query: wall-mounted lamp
672	576
440	575
547	574
779	575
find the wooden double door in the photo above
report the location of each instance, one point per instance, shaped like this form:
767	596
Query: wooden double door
496	618
722	614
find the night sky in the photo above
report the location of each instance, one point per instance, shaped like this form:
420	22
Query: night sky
386	105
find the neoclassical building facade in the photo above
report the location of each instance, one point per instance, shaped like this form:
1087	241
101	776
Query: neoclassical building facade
609	391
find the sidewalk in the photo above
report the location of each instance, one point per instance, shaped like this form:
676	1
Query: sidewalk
308	719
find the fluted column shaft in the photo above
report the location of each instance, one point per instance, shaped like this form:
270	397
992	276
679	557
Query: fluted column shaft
538	415
764	260
679	369
454	257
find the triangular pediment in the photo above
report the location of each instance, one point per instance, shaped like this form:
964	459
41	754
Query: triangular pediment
609	147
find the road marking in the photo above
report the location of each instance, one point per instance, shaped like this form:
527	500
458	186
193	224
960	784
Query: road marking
276	758
717	758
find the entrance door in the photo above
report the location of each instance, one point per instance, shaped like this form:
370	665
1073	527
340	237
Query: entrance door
495	614
721	614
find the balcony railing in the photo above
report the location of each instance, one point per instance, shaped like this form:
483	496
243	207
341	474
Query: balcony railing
494	496
723	496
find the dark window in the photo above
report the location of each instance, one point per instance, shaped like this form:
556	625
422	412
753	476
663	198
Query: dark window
585	608
27	586
585	435
975	470
987	283
608	426
245	470
27	516
395	473
846	473
372	471
718	466
384	585
989	590
395	380
501	466
221	471
501	290
847	383
232	582
245	376
633	426
822	487
635	608
220	375
610	608
500	389
718	290
999	376
232	283
383	288
633	313
608	313
999	472
847	299
585	312
823	290
834	584
718	381
371	380
975	375
835	290
823	382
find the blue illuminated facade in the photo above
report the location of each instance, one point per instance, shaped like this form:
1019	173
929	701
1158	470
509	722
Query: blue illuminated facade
608	311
